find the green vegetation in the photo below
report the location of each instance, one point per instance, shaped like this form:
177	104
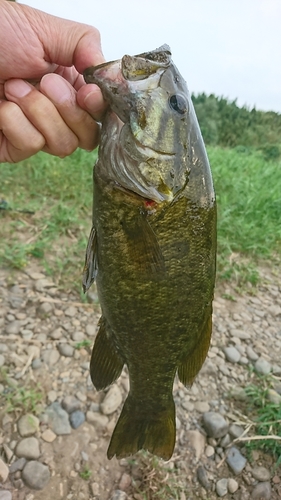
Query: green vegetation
83	343
267	417
20	399
59	192
85	473
225	124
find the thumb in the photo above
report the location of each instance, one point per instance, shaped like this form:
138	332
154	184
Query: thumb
66	43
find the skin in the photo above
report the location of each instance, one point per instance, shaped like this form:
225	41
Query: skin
44	102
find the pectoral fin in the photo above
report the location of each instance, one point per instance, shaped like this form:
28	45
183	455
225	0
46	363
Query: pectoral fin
190	366
143	246
90	267
106	363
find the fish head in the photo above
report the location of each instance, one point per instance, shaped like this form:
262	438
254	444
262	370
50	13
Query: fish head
150	97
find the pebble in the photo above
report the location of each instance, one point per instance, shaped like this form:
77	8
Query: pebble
232	485
197	441
252	355
28	448
76	418
48	435
235	460
210	451
240	334
17	465
201	406
4	471
36	475
71	311
70	404
5	495
2	360
91	330
202	477
262	491
58	419
52	396
125	481
13	328
261	473
262	366
231	354
273	397
66	350
112	400
119	495
50	356
28	425
97	419
235	430
215	424
221	487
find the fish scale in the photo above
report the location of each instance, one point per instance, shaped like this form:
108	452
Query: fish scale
152	249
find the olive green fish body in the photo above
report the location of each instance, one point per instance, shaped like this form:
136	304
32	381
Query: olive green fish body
152	253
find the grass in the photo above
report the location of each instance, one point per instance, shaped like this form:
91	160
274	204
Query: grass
85	473
267	417
59	192
20	399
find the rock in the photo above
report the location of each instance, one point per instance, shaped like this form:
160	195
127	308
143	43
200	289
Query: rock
13	328
36	363
235	430
240	334
118	495
273	397
261	473
71	311
5	495
56	334
112	400
210	451
235	460
202	406
125	481
2	360
262	366
221	487
76	418
66	350
48	436
215	425
52	396
96	419
36	475
238	393
28	448
262	491
17	465
95	489
91	330
197	441
232	485
58	419
50	356
46	307
28	425
231	354
71	403
225	441
202	477
4	471
252	355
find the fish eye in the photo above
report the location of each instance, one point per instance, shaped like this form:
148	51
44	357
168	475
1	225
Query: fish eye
178	103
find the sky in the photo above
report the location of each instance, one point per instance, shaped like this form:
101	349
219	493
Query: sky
231	48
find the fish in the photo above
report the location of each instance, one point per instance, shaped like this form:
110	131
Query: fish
152	247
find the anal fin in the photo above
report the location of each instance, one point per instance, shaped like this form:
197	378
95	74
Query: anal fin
106	363
190	366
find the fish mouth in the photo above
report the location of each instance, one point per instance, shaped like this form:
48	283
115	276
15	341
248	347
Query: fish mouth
133	68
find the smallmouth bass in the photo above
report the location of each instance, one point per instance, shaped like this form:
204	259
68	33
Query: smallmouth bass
152	247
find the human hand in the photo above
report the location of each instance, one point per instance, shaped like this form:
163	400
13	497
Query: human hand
46	115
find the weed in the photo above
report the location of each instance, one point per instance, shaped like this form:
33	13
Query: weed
23	399
83	343
85	473
267	419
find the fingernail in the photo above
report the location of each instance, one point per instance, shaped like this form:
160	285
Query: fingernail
56	88
18	88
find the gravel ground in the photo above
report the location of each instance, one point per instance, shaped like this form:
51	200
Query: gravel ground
56	448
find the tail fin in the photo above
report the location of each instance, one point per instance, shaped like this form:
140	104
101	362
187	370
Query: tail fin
136	429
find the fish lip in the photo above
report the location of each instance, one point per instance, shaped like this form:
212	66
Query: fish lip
146	148
88	74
